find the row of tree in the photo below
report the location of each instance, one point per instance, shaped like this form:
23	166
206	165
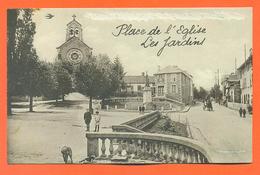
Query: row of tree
202	93
98	77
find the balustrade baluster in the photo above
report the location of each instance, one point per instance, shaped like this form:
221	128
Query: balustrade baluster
180	154
201	158
111	148
198	157
185	155
188	154
128	149
157	151
135	143
119	148
142	149
139	149
176	153
149	154
167	153
103	148
193	160
171	153
162	152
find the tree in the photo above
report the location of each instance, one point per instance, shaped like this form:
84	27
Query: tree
203	93
12	75
49	84
22	58
99	77
117	75
196	93
89	80
216	92
30	77
63	79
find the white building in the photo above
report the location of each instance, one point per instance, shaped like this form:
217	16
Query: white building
245	72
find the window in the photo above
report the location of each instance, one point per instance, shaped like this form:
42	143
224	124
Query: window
160	91
174	88
160	78
139	87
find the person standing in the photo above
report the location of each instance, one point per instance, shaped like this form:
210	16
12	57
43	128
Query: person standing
140	109
97	121
244	113
87	118
240	111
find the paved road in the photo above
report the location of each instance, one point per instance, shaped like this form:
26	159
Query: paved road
228	135
38	137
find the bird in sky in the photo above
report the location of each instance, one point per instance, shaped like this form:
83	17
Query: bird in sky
49	16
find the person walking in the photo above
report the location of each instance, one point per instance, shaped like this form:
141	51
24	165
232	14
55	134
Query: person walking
143	108
240	111
140	109
244	113
87	118
97	121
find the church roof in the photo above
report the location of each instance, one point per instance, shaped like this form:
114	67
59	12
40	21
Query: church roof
73	21
72	39
172	69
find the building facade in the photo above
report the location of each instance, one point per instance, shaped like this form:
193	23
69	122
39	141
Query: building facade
136	83
74	50
231	88
245	72
174	83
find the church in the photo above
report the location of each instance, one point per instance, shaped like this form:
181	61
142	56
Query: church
74	50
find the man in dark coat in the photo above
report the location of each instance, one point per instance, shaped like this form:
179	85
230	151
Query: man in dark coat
87	118
244	113
240	111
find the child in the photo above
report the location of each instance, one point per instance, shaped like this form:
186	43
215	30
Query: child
97	121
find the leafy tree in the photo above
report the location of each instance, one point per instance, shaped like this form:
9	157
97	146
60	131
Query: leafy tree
49	84
113	75
89	80
30	77
196	93
117	75
22	58
203	93
99	78
216	92
12	62
63	79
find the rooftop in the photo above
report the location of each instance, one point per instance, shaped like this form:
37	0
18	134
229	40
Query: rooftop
173	69
137	79
247	61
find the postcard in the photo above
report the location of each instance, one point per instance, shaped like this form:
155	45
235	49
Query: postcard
129	86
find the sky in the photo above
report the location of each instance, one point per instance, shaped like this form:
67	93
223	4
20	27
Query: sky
228	32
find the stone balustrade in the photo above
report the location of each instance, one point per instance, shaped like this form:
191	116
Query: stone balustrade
138	124
145	147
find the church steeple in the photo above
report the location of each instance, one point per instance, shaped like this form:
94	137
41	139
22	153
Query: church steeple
74	29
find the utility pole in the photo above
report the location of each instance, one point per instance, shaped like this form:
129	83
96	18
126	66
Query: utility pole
235	65
218	77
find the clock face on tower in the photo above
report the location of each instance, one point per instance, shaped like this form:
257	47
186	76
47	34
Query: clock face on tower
74	55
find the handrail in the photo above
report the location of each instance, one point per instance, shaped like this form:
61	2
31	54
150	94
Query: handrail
140	118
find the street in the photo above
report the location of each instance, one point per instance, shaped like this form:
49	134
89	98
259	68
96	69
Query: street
229	136
37	137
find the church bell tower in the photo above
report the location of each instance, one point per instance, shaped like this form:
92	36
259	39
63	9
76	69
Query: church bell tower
74	29
74	50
